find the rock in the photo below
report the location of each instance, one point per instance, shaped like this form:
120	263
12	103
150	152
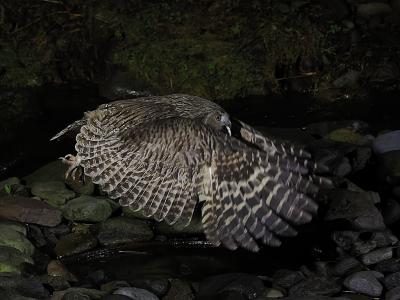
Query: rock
393	294
391	211
315	286
17	240
11	260
388	266
75	296
111	286
53	192
365	282
87	209
56	269
115	297
57	283
82	188
367	10
29	287
28	210
9	295
98	277
36	236
91	293
345	135
249	286
287	278
389	167
392	280
346	266
389	141
347	80
8	186
180	290
376	256
13	225
272	294
54	171
135	293
122	230
384	238
159	287
358	208
321	129
75	243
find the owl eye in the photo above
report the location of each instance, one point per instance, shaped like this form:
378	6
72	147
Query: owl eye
218	117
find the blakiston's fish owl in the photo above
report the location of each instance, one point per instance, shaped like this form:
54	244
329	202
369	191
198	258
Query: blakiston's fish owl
163	154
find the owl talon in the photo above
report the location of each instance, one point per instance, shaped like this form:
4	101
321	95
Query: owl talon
73	163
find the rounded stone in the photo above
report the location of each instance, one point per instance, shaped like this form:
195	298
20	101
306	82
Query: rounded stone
87	209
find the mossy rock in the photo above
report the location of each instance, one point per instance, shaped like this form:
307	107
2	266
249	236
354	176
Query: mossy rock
15	239
53	192
53	171
87	209
347	136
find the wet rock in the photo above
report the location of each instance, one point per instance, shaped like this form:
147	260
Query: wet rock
54	171
248	285
179	290
98	277
56	269
389	141
36	236
9	295
361	158
122	230
11	260
384	238
367	10
392	280
388	266
17	240
287	278
389	167
28	287
365	282
358	208
376	256
315	286
75	243
111	286
75	296
13	225
321	129
271	294
87	209
347	80
91	293
57	283
135	293
393	294
53	192
9	186
391	211
29	210
85	187
345	135
159	287
346	266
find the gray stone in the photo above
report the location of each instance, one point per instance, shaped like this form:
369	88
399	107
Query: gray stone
29	210
75	243
17	240
393	294
347	265
384	238
91	293
347	80
271	293
316	286
388	266
87	209
13	225
115	297
122	230
389	167
391	211
287	278
135	293
111	286
53	192
158	287
365	282
10	295
389	141
54	171
392	280
249	286
75	296
11	260
28	287
367	10
180	290
377	255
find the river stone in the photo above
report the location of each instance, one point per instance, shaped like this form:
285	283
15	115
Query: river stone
91	293
392	280
83	188
389	166
389	141
75	243
367	10
122	230
135	293
377	255
111	286
393	294
10	295
53	192
28	287
15	239
87	209
8	183
29	210
287	278
365	282
347	265
159	287
388	266
11	259
315	286
179	290
346	135
53	171
56	269
13	225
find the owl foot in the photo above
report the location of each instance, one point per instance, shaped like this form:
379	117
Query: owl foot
74	163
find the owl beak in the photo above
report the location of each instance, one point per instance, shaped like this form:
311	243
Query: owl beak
228	129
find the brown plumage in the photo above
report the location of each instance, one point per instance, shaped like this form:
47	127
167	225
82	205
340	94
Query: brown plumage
163	154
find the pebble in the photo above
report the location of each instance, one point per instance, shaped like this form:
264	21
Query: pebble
74	243
365	282
87	209
135	293
53	192
122	230
389	141
29	210
377	255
